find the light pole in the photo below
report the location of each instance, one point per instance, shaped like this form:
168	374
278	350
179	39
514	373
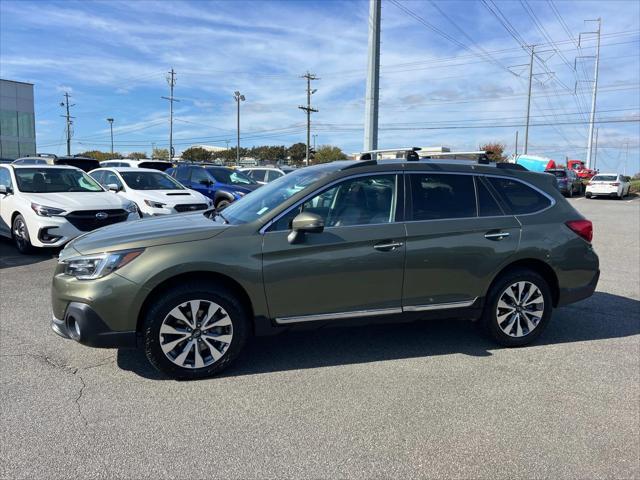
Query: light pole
238	98
110	120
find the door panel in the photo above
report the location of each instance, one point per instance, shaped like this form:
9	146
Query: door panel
452	253
338	270
451	260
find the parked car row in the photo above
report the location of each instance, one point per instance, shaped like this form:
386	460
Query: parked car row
46	203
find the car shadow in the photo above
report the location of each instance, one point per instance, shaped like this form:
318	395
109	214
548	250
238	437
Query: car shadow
600	317
11	257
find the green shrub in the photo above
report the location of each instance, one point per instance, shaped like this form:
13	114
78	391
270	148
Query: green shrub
635	186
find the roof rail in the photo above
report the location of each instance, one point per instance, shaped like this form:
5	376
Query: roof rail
409	153
481	156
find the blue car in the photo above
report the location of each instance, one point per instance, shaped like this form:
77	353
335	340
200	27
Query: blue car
221	184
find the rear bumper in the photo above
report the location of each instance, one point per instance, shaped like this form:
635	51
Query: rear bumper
82	324
572	295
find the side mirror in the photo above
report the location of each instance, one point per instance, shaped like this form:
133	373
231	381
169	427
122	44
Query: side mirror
208	183
305	223
113	187
4	190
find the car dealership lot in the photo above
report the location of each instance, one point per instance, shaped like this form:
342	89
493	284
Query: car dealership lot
430	399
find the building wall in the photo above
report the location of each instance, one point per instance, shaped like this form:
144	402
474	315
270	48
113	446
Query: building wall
17	120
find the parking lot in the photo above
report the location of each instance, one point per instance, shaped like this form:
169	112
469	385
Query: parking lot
427	399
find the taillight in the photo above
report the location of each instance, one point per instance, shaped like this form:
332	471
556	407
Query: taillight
616	184
583	228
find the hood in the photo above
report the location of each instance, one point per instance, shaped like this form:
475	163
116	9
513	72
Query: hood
241	188
148	232
173	196
71	201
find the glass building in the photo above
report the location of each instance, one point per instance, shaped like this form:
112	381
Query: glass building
17	121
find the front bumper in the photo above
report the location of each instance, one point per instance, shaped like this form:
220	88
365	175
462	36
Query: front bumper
572	295
82	324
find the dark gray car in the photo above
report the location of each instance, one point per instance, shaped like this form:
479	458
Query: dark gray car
398	240
568	182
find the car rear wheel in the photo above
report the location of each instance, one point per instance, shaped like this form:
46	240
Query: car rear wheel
195	331
518	308
20	235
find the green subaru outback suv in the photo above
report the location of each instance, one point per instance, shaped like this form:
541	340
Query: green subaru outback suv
333	242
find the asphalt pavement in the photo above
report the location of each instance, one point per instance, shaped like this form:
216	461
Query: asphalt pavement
428	399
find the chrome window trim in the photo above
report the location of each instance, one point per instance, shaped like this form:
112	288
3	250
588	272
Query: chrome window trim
263	229
372	313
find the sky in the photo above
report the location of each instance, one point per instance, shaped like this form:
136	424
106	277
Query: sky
453	73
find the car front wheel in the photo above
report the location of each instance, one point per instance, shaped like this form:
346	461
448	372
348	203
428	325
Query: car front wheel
518	308
20	235
195	331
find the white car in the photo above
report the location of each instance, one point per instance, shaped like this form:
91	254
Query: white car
161	165
264	175
47	205
608	185
154	192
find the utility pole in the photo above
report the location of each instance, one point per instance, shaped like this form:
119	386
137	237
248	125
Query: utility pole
110	120
516	143
171	80
309	110
69	121
595	150
595	91
238	98
373	78
526	131
626	159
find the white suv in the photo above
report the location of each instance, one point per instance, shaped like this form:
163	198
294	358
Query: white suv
154	192
46	205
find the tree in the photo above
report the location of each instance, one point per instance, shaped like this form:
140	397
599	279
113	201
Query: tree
137	155
100	156
297	152
328	153
197	154
497	151
160	153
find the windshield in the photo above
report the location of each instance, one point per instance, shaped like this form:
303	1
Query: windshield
268	197
604	178
150	181
54	180
558	173
233	177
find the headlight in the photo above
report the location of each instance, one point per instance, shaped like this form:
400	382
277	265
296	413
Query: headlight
46	211
131	207
153	204
240	194
90	267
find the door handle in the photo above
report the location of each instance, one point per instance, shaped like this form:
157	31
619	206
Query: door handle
388	246
496	235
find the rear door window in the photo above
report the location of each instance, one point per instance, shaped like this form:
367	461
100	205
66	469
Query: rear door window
439	196
272	175
487	205
520	198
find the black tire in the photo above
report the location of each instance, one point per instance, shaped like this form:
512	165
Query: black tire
587	195
489	320
23	241
178	295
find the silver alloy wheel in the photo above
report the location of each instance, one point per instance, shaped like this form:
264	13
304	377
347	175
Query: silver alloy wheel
196	334
520	309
